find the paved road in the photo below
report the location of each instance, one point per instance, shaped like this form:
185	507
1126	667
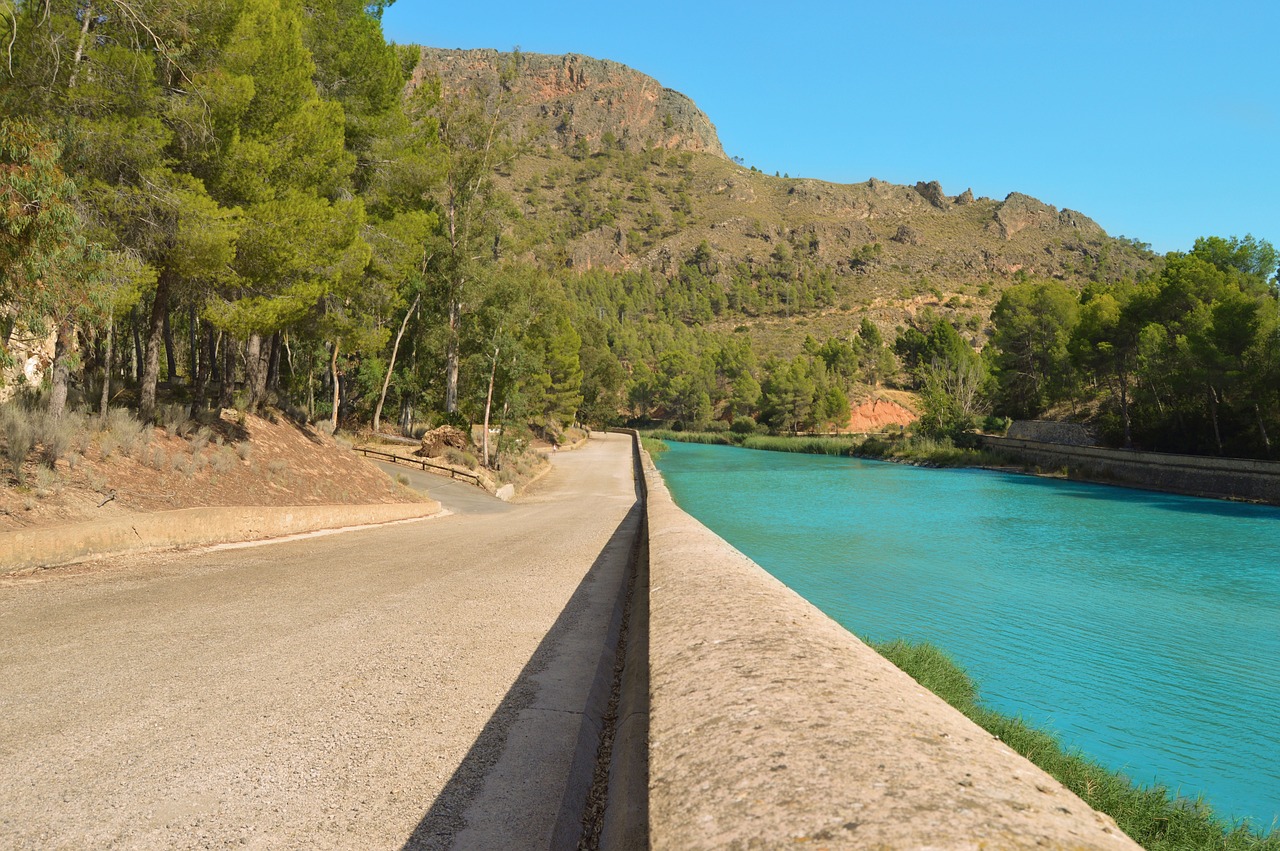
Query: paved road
415	686
458	496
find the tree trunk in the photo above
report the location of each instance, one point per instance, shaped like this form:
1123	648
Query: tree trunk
255	372
106	367
227	397
488	403
273	363
1123	379
406	418
61	353
135	317
193	338
89	15
386	379
451	359
155	335
170	349
333	371
1262	428
1213	415
214	342
206	364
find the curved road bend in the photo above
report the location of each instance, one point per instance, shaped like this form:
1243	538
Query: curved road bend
415	686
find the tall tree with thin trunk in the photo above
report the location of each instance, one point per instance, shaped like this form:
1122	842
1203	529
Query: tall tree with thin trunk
472	211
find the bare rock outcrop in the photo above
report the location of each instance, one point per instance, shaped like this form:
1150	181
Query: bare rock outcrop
1019	212
558	100
932	192
907	235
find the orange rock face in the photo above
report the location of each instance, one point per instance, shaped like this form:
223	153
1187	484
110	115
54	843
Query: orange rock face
876	414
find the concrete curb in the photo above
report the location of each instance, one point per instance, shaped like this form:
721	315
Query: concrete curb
57	545
772	725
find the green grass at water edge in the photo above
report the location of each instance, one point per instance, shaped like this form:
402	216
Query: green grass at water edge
1153	816
653	445
914	450
714	438
808	445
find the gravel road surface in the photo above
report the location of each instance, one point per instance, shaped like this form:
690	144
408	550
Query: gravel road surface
416	686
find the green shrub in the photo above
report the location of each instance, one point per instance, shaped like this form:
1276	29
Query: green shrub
995	425
18	427
175	419
224	460
460	458
56	435
201	439
875	447
743	425
127	430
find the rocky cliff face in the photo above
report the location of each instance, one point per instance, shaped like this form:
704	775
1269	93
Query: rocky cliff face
558	100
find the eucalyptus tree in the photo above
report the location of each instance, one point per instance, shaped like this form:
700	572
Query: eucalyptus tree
469	131
44	268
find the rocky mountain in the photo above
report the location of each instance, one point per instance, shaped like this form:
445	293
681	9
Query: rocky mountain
559	100
622	174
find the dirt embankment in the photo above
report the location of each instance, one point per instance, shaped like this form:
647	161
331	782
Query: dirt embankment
232	459
878	414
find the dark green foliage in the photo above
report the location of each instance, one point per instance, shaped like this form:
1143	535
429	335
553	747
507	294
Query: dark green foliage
1187	361
1032	325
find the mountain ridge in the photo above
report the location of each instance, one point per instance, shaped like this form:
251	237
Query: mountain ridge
567	97
611	179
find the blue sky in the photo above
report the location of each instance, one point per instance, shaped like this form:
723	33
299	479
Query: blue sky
1160	120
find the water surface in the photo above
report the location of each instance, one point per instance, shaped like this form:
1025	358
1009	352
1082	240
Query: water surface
1143	628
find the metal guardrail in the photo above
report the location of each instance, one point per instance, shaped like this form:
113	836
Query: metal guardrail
426	466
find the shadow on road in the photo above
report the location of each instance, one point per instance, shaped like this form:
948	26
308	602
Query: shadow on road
524	782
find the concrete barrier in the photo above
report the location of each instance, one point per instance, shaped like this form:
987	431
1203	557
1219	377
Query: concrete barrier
770	725
65	544
1195	475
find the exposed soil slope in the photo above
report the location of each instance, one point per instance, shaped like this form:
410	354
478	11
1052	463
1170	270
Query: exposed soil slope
877	414
260	461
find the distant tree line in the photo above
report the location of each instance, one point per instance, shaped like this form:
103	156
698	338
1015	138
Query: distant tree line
1184	360
253	202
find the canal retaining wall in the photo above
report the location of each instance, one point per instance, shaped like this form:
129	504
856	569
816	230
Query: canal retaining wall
1195	475
770	725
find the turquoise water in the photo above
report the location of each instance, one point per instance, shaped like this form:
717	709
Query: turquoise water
1143	628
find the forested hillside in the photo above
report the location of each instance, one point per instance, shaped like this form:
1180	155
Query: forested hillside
262	202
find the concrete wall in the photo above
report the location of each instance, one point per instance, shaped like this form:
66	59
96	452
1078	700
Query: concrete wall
47	547
1048	431
1197	475
770	725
